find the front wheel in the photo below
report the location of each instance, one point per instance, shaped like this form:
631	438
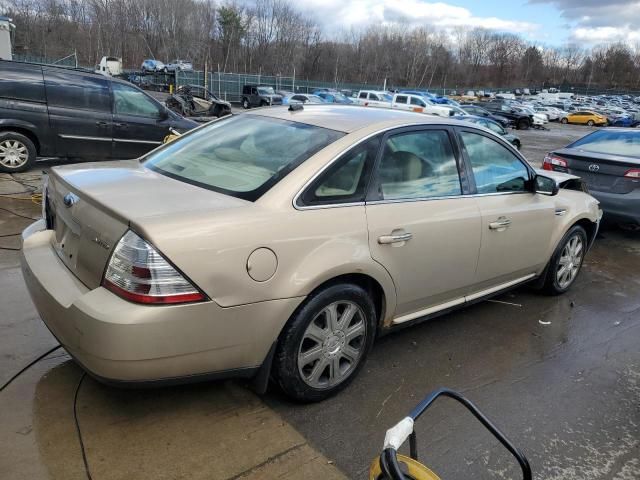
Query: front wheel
325	343
17	152
523	124
245	104
564	120
566	261
590	123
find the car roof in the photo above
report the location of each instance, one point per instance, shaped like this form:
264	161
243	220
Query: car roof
349	118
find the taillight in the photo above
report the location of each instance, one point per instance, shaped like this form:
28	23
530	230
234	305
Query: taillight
553	163
633	173
137	272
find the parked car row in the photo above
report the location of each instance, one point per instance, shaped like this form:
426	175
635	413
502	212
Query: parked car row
152	65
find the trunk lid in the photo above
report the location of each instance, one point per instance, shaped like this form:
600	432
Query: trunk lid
601	172
91	206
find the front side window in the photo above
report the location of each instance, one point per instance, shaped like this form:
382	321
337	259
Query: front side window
417	101
495	168
401	99
418	164
266	91
363	95
347	179
373	96
242	156
130	101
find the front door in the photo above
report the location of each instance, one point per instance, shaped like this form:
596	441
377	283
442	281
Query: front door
422	228
79	113
516	223
138	122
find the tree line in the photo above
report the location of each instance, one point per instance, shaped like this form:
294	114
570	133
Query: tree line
273	37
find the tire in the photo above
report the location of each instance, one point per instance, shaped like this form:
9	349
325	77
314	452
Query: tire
517	145
17	152
309	331
264	104
245	103
564	120
523	124
590	123
553	283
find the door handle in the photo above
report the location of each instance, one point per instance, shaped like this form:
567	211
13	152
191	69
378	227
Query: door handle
120	125
395	238
500	224
100	123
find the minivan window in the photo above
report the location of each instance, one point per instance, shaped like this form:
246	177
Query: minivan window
73	90
21	83
242	156
131	101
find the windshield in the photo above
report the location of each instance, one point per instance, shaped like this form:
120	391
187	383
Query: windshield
610	142
242	156
266	91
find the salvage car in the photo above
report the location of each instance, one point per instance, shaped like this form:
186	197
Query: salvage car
62	112
259	96
608	161
584	117
197	101
281	242
151	65
494	127
178	66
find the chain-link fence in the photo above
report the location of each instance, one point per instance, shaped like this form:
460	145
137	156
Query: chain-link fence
228	86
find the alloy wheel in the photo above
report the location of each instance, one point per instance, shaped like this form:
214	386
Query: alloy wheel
13	153
332	345
570	261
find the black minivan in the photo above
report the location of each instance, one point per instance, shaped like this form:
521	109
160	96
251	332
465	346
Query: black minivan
61	112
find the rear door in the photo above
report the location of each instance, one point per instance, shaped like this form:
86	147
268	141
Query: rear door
400	102
79	113
139	122
422	228
516	223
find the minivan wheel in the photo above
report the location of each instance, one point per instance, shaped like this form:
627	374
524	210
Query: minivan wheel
17	152
566	261
245	103
325	343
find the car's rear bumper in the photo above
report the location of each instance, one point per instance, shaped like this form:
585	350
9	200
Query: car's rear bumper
120	341
619	207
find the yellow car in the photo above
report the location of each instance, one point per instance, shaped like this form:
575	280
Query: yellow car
585	118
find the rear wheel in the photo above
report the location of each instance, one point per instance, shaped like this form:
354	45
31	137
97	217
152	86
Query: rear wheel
590	123
245	103
517	145
566	261
17	152
325	343
564	120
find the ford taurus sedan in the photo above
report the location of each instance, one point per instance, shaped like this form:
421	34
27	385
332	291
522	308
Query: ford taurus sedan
280	243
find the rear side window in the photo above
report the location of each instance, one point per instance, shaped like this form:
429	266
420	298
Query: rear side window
495	168
347	179
401	99
21	82
363	95
418	164
73	90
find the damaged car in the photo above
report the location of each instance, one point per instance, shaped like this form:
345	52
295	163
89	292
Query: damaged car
196	101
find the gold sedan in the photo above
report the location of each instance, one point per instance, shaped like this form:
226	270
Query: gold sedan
281	242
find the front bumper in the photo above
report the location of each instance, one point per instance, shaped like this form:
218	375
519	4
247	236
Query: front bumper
619	207
120	341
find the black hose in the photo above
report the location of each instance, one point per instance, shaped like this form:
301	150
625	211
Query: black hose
8	382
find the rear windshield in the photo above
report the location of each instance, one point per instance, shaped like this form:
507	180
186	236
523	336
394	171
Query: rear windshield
612	142
242	156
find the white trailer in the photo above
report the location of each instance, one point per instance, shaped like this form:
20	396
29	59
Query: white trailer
6	38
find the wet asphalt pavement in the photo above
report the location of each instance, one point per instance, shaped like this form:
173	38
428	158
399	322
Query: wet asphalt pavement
559	375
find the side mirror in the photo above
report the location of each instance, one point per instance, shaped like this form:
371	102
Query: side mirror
163	114
545	185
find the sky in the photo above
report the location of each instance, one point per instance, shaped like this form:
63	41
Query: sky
544	22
